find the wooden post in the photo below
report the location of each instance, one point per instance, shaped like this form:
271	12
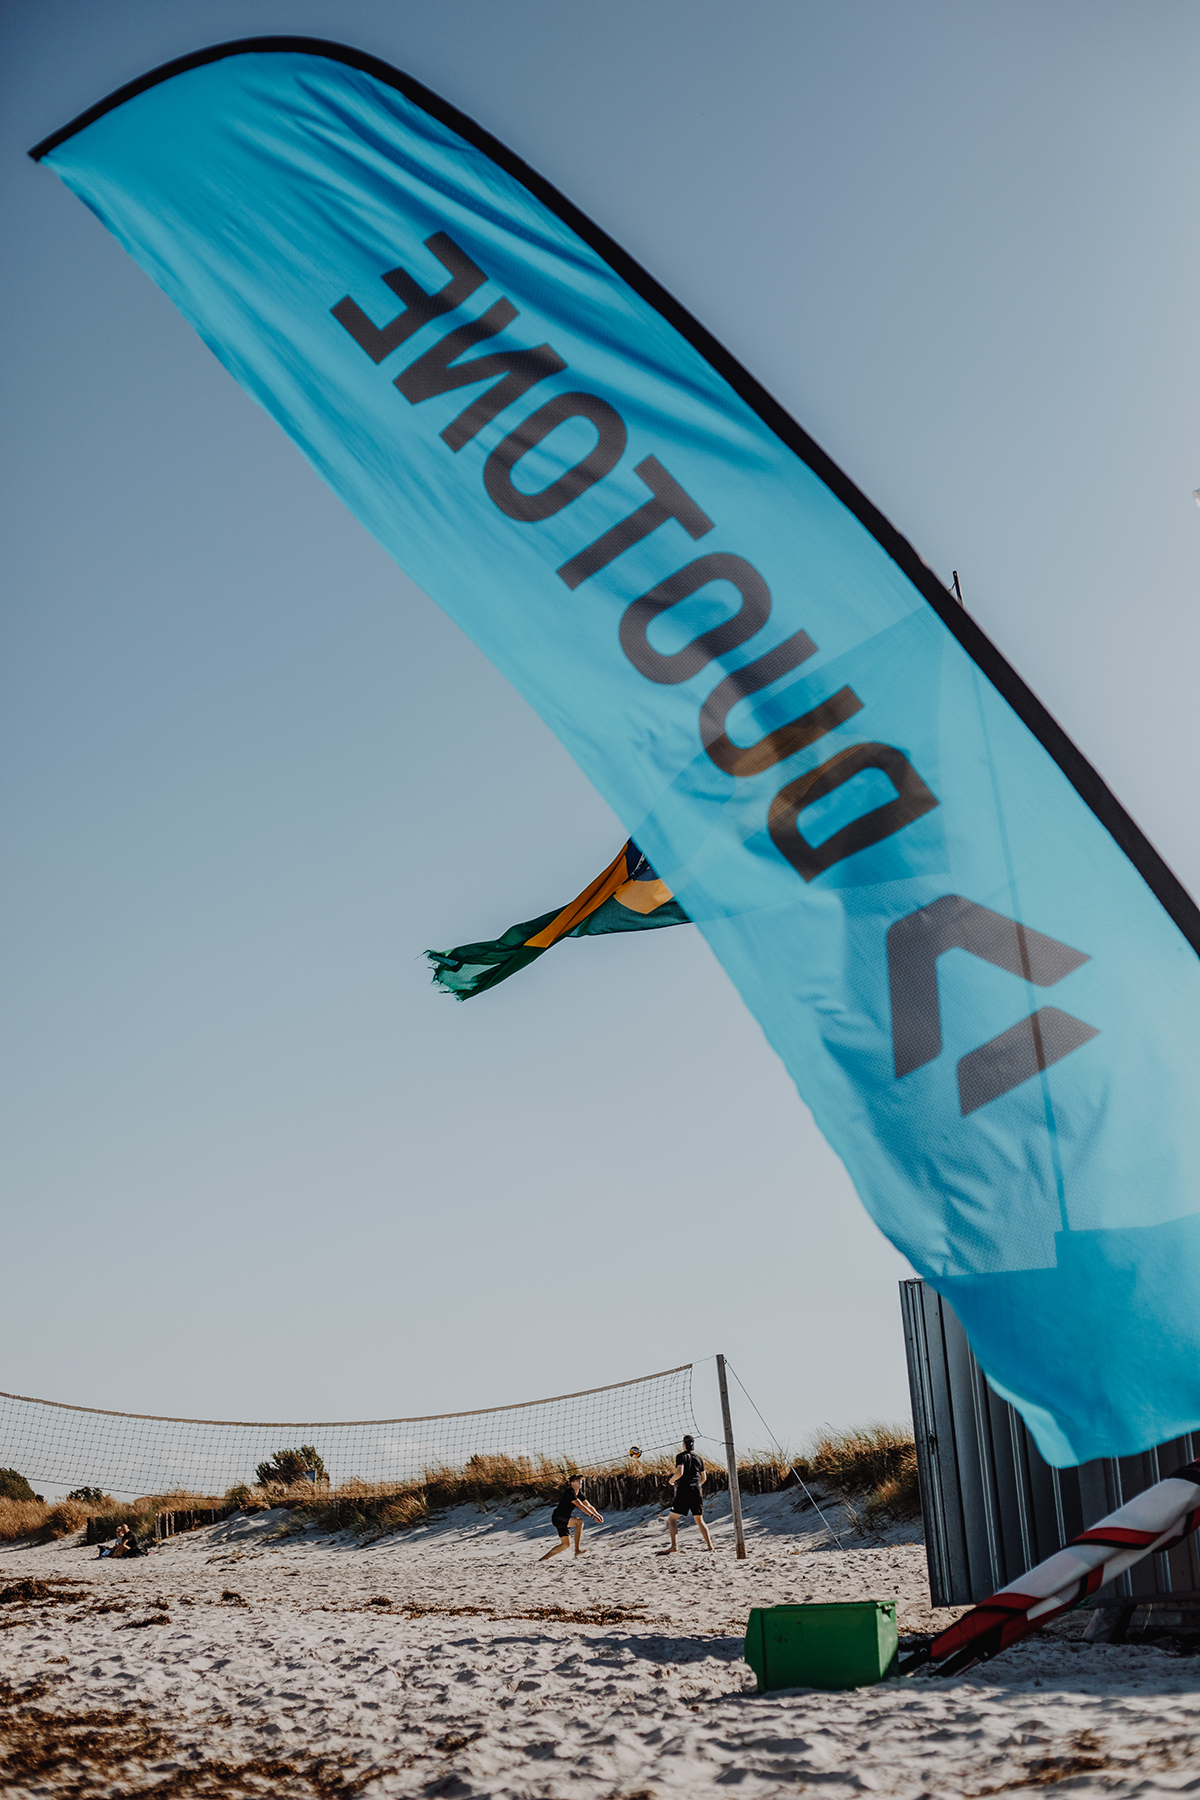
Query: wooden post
735	1492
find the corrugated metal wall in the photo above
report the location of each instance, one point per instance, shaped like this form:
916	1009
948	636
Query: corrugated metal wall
993	1507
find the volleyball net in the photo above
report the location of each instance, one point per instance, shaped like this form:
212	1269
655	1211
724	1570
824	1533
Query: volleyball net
130	1454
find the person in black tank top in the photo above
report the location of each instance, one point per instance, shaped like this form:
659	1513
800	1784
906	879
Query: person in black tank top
687	1481
569	1508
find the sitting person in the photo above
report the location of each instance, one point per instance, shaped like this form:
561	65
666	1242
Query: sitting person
125	1544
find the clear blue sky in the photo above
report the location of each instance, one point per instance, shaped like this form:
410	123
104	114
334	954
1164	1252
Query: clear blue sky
253	1165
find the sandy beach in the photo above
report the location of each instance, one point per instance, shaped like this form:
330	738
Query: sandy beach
448	1661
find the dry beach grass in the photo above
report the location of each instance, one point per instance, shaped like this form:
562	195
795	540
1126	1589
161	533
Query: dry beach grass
873	1466
42	1521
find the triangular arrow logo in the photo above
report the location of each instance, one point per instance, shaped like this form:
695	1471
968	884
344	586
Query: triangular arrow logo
914	945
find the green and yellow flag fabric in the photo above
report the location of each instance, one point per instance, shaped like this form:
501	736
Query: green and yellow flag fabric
627	896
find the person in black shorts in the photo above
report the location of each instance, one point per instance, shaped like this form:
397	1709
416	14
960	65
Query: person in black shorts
687	1481
567	1516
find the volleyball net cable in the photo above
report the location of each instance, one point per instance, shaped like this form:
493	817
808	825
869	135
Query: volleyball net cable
57	1445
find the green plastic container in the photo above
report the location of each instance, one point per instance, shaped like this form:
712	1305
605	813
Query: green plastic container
845	1644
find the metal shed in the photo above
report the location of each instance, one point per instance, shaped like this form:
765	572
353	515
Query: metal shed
993	1506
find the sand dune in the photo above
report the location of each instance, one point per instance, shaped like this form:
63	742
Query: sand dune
448	1661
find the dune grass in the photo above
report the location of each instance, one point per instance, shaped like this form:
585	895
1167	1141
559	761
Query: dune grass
40	1519
383	1507
872	1468
43	1521
873	1465
899	1497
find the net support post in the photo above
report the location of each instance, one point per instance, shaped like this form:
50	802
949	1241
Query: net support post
735	1492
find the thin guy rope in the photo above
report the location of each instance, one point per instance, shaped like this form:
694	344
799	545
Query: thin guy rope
791	1465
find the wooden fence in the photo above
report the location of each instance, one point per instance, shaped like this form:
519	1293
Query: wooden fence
103	1526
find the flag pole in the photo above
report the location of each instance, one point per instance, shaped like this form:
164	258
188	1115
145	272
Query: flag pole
735	1492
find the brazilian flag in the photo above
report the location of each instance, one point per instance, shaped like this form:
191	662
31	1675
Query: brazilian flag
627	896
